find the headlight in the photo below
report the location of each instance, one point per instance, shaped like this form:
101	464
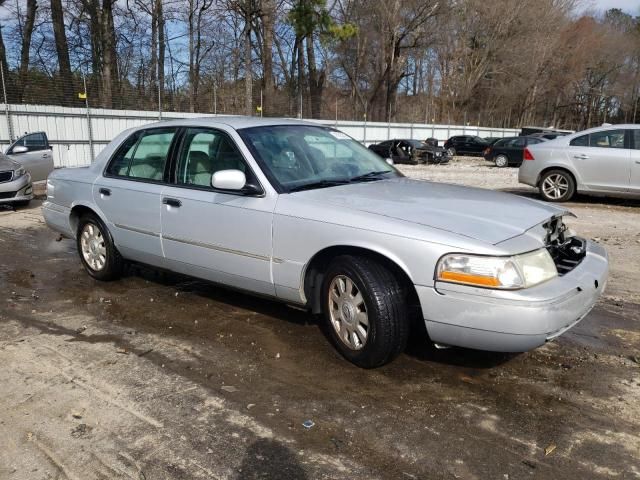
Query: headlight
18	172
510	273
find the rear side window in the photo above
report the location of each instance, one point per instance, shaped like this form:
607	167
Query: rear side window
582	141
143	155
607	139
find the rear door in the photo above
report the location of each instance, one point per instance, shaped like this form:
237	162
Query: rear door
129	192
514	148
602	159
38	157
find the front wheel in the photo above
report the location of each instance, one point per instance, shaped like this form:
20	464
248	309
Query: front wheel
451	152
365	311
557	186
98	254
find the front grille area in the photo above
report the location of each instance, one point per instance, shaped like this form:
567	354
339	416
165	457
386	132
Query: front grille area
5	195
568	255
6	176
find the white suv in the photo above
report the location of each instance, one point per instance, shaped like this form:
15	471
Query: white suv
602	160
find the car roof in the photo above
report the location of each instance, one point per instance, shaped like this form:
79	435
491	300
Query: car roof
235	122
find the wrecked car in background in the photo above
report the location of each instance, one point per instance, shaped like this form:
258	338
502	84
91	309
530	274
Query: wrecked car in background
412	152
306	215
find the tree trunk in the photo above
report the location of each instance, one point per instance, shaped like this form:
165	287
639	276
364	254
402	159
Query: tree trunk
27	33
62	49
248	77
316	80
268	20
109	60
192	59
161	50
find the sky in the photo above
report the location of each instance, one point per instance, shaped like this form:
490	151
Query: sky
629	6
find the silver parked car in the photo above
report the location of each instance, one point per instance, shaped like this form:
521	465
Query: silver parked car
15	183
602	160
304	214
34	153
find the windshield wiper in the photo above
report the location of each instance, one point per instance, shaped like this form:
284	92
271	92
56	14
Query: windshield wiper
369	176
318	184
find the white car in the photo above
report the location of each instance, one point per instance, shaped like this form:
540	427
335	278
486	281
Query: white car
602	160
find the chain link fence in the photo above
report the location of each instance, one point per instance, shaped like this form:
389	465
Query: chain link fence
78	125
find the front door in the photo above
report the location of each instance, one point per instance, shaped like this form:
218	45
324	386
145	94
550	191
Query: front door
219	235
33	152
602	159
129	193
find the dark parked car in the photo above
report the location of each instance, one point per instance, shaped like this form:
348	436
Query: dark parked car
412	152
465	145
508	152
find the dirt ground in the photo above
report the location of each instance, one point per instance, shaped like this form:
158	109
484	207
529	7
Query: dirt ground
158	376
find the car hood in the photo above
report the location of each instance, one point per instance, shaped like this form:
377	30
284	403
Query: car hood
7	164
484	215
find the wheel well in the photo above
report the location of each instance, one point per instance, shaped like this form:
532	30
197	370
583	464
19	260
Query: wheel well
314	274
77	212
548	169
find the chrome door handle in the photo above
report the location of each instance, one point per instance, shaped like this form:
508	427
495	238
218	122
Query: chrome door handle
105	191
638	162
581	157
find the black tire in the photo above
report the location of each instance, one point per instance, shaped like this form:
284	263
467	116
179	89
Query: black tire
501	161
562	176
385	300
113	263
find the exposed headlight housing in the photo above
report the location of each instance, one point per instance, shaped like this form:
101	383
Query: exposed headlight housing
506	273
17	173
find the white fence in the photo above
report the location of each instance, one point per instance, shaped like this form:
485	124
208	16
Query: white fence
74	132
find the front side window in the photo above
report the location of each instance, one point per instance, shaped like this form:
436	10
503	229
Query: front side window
607	139
204	152
302	156
636	139
143	155
33	142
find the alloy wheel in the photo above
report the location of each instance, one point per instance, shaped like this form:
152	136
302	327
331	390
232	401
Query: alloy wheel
348	312
94	250
555	186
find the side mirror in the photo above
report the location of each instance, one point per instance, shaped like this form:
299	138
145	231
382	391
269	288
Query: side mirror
228	180
20	149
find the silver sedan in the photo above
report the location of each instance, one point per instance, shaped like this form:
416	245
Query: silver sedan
306	215
15	183
603	160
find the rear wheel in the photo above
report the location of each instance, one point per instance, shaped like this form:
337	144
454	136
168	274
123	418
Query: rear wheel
98	254
557	186
365	311
502	161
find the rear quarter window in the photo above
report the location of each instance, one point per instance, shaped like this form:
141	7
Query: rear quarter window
581	141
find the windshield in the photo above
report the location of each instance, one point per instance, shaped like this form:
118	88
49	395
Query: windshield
296	157
416	143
